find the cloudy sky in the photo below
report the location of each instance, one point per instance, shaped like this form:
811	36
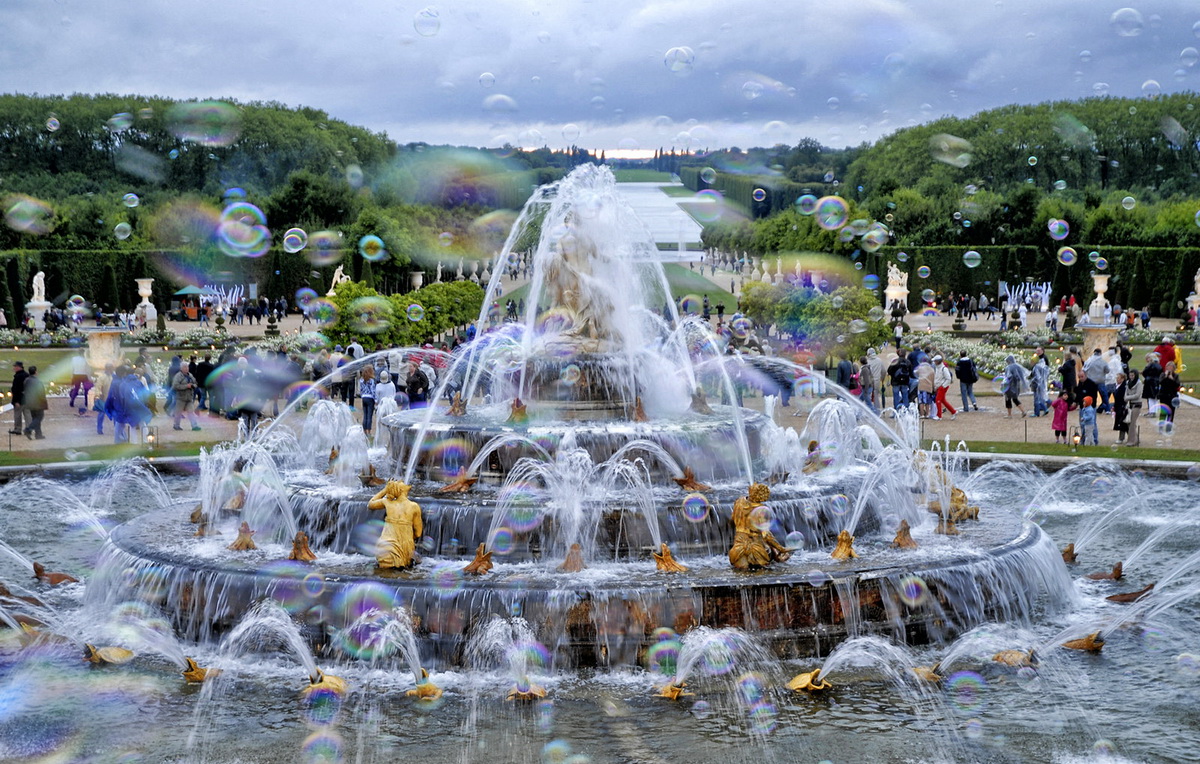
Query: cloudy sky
597	72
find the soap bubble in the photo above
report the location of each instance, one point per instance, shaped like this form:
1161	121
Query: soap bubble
966	690
242	231
173	153
741	327
875	313
794	540
831	212
500	104
487	79
1067	256
1196	218
1188	665
52	124
806	204
305	296
1059	229
680	60
762	517
972	259
1093	256
119	122
570	374
323	310
426	22
837	301
870	281
130	200
1101	264
913	591
701	709
122	231
370	315
858	326
372	248
902	257
924	271
1060	185
759	195
752	90
324	248
950	149
1126	22
570	132
208	123
294	240
28	215
839	505
708	175
695	507
816	577
1129	202
415	312
927	295
445	239
1032	161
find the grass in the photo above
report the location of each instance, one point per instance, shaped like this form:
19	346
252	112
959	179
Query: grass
640	175
1051	449
54	364
108	452
677	191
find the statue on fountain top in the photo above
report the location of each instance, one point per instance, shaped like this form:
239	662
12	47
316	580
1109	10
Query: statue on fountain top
896	277
753	548
39	288
573	288
402	526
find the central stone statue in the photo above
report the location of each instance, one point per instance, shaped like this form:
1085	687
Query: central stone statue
402	526
571	286
753	547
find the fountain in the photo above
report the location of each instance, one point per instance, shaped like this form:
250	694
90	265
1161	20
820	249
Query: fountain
607	546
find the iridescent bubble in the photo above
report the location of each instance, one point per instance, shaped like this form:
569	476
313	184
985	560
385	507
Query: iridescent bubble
119	122
445	239
207	123
759	195
294	240
324	312
875	313
924	271
913	591
1032	161
816	577
708	175
570	374
695	507
871	282
806	204
1101	264
794	540
1189	56
691	304
1100	88
130	200
966	690
973	729
324	248
370	315
1188	665
502	541
28	215
857	326
951	150
1085	56
1129	202
837	302
52	124
1067	256
1196	29
305	296
1060	185
242	231
902	257
500	104
415	312
741	327
831	212
487	79
1059	229
927	295
839	505
1104	748
426	22
122	231
752	90
570	132
829	177
972	259
173	153
1126	22
680	60
873	241
372	248
701	709
76	304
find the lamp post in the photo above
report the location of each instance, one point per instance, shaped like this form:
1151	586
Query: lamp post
1076	437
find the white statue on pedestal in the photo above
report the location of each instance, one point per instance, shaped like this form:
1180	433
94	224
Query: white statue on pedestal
896	277
339	277
39	288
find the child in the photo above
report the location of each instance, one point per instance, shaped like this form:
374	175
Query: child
1087	421
1059	421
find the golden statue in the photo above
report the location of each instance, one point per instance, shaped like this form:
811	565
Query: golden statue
845	546
197	514
814	461
113	655
458	407
1092	643
700	402
196	674
402	526
370	479
665	563
300	549
946	526
531	691
244	541
639	413
1016	658
573	563
518	412
959	508
6	593
333	457
205	528
808	682
927	673
1068	554
753	548
689	482
673	691
1117	573
425	689
460	484
482	563
1130	596
323	682
54	579
904	539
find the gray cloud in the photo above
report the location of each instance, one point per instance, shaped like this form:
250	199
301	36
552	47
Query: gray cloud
842	73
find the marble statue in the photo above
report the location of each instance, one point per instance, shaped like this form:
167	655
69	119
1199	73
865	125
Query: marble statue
896	277
39	288
339	277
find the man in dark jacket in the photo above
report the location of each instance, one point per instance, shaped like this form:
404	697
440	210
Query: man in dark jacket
901	374
35	404
967	375
18	397
201	371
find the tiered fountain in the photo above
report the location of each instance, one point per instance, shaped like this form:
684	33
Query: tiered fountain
581	479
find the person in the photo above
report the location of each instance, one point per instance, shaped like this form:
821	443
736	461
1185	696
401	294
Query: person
35	404
875	369
1039	379
17	391
1096	369
968	375
1014	380
845	372
898	333
101	387
941	382
183	384
172	370
385	389
202	371
1168	390
355	350
417	386
1133	399
900	373
926	391
1087	421
1058	421
1151	373
366	392
1120	408
1165	351
81	381
1145	317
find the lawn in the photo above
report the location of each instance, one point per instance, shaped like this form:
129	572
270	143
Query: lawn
640	175
54	364
682	191
1051	449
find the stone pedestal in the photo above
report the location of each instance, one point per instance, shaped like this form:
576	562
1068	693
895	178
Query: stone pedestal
416	279
146	307
38	311
894	292
1103	336
103	346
